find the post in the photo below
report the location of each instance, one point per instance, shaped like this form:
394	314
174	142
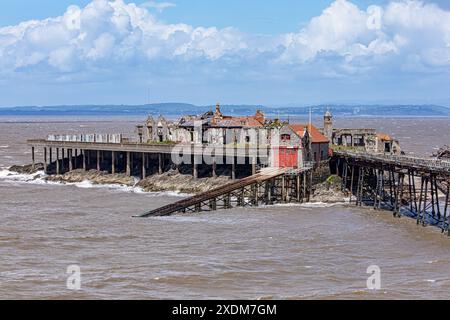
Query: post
214	168
298	188
113	162
283	189
269	192
128	163
396	194
62	159
419	212
144	173
377	189
255	194
45	160
69	151
195	171
253	166
98	160
438	209
233	169
50	151
414	190
304	185
446	206
32	158
213	204
83	152
76	159
160	163
58	170
351	183
425	201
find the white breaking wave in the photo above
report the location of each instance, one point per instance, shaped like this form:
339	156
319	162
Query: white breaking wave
38	178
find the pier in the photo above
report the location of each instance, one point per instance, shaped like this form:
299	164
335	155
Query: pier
271	185
143	159
415	186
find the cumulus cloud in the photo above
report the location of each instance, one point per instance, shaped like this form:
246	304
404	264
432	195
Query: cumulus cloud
402	30
409	33
110	32
159	6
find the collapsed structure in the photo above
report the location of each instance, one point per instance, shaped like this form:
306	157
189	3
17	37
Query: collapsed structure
290	145
363	139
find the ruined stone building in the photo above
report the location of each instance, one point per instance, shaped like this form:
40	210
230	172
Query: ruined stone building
364	139
289	145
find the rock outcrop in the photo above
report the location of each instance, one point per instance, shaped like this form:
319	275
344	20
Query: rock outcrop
330	191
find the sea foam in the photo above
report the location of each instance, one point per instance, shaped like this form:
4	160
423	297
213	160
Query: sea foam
39	178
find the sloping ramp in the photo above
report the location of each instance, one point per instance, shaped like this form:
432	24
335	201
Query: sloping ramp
180	206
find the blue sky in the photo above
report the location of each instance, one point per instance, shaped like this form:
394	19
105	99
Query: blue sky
198	51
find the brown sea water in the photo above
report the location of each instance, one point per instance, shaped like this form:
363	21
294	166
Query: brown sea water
271	252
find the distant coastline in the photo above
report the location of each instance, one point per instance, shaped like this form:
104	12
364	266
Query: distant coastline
176	109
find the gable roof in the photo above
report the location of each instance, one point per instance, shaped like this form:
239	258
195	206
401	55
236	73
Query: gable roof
384	137
316	136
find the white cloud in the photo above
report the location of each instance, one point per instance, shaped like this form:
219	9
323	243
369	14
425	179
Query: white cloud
109	33
407	28
160	6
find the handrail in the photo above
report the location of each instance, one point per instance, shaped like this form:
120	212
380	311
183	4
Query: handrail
427	162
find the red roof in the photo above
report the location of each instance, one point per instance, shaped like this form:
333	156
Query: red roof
317	137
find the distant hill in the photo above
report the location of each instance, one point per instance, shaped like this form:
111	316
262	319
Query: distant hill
177	109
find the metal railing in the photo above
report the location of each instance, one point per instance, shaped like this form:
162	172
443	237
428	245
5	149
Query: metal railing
400	160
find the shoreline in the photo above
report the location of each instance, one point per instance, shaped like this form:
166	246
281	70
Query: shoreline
173	182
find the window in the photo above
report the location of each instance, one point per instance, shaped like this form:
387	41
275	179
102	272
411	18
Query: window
285	137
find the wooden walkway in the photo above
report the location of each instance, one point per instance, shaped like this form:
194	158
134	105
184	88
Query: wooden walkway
243	192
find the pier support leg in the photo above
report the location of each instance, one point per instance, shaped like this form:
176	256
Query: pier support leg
299	197
283	189
98	160
195	171
50	151
213	204
32	158
255	194
76	159
58	170
214	168
304	186
160	164
144	166
446	207
128	164
113	162
45	160
351	183
69	151
233	169
62	161
269	185
253	166
83	155
419	212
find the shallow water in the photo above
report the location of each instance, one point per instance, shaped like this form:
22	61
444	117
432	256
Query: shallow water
289	252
